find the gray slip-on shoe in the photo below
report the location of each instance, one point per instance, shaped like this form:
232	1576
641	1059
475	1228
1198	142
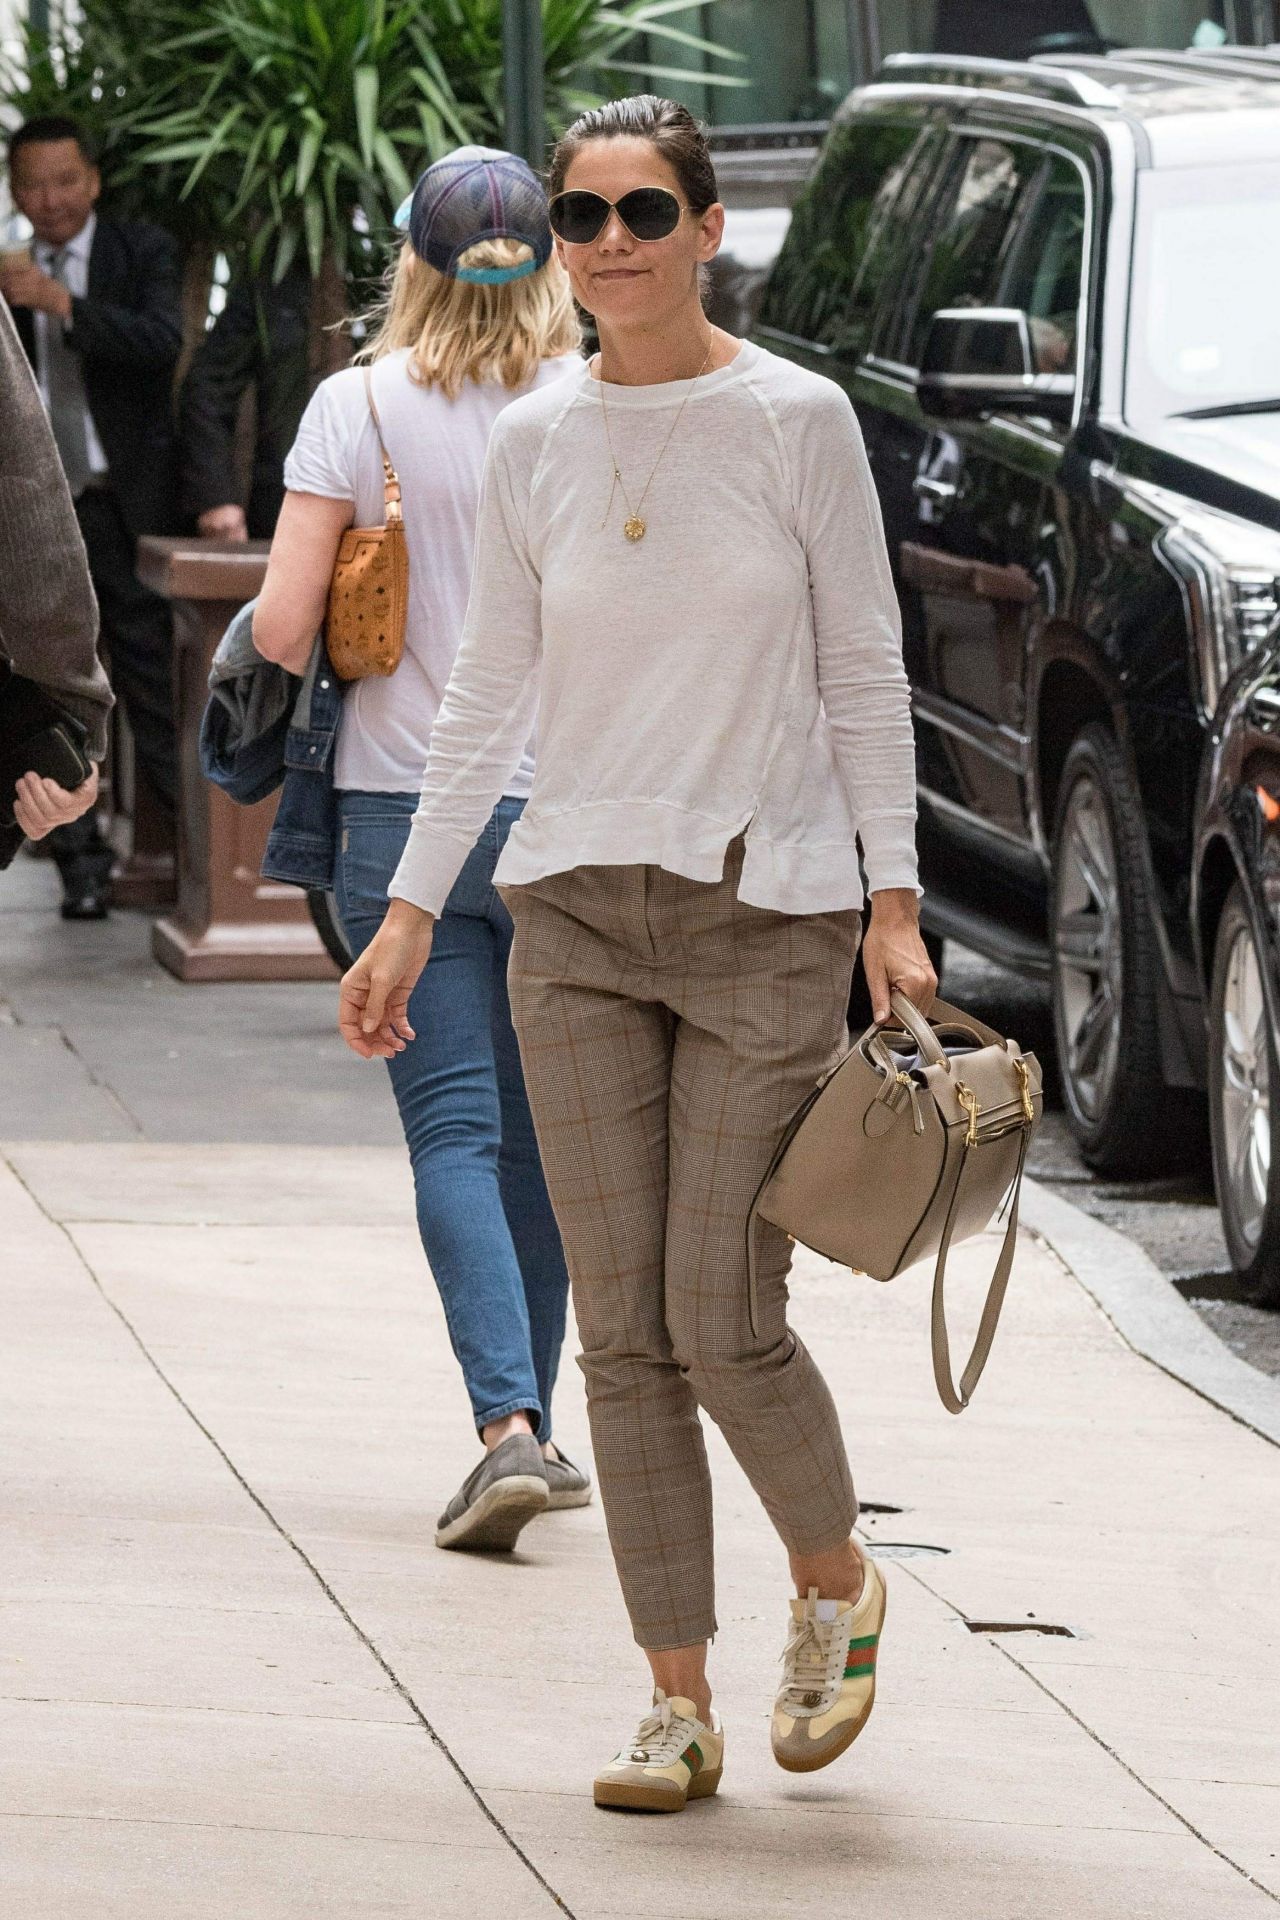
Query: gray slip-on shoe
570	1486
497	1499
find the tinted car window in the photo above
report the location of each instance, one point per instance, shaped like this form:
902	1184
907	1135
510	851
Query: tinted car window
1045	262
823	287
974	222
901	192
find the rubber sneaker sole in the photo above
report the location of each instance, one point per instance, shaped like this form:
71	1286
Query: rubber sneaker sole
634	1796
578	1497
495	1519
840	1742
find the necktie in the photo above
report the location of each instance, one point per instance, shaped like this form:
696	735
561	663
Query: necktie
67	402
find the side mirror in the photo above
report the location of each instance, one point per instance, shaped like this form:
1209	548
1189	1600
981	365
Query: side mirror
980	360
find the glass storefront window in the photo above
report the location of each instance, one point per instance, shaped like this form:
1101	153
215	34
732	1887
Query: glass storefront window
1015	29
797	65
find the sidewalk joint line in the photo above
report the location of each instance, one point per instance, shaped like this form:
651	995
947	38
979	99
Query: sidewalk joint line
236	1826
1098	1741
95	1080
436	1739
1134	1775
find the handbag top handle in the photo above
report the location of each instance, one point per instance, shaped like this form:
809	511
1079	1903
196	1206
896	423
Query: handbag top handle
391	479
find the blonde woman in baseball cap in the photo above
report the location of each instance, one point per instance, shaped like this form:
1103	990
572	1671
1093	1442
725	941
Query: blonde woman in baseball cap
477	312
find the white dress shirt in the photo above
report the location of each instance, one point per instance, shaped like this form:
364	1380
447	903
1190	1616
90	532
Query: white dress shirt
76	279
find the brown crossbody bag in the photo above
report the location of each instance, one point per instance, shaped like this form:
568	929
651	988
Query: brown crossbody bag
369	593
910	1142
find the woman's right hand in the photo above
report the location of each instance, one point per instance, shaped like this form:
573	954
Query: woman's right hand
373	1009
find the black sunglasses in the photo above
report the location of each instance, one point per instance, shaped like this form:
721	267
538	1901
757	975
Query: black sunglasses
647	213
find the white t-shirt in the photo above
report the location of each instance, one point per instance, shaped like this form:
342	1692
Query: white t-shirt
437	447
738	668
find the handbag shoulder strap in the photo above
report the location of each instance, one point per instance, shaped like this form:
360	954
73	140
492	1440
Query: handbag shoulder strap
390	478
956	1399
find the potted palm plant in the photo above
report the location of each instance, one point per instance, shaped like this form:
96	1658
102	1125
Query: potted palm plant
278	131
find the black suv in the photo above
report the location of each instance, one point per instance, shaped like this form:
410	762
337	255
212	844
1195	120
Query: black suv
1052	292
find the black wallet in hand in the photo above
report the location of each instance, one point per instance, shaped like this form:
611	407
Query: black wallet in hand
37	736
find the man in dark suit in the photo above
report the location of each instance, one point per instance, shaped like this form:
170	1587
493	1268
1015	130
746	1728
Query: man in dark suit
98	308
259	340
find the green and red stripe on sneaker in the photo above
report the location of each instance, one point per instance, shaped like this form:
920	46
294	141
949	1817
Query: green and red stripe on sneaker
861	1657
692	1757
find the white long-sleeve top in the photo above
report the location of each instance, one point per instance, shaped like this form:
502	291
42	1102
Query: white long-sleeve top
739	667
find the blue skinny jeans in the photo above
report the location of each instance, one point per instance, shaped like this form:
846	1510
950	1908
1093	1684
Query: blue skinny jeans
486	1222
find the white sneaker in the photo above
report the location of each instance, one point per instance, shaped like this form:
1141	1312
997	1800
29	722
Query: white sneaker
674	1758
829	1679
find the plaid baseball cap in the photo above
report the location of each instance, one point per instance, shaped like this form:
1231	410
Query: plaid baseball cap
475	194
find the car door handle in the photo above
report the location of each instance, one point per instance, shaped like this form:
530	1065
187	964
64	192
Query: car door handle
1264	706
925	487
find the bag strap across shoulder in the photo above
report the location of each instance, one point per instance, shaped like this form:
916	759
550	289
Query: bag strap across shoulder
390	479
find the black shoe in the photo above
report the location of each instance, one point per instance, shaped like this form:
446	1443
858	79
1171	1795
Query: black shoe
85	872
87	901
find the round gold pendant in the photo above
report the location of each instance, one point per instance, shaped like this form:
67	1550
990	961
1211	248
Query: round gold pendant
635	528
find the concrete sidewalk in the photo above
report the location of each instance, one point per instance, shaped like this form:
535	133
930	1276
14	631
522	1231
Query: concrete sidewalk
240	1684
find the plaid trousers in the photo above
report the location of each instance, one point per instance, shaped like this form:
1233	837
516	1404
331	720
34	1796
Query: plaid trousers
668	1032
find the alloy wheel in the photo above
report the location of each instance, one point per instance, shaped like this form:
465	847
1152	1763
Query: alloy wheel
1088	954
1246	1089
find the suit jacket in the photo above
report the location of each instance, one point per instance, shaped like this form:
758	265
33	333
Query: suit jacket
260	339
128	332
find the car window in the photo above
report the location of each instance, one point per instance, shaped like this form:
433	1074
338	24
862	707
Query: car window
1206	292
1045	262
824	285
892	213
974	221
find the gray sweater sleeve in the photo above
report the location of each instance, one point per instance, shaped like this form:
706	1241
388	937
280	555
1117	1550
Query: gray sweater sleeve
48	613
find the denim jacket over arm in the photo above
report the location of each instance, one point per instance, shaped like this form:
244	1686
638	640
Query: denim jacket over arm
303	841
265	728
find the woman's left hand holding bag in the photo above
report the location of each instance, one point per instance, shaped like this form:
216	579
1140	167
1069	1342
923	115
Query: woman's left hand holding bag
894	957
373	1010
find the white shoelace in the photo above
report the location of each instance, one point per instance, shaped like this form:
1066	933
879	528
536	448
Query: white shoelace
660	1736
806	1660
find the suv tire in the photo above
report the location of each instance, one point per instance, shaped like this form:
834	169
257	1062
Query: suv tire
1244	1106
1105	968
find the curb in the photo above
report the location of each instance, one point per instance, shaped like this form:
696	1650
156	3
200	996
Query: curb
1149	1314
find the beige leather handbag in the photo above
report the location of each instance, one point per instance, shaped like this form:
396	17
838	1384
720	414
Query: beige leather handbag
909	1143
369	592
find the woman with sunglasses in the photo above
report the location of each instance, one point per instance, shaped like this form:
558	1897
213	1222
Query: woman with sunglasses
681	573
477	313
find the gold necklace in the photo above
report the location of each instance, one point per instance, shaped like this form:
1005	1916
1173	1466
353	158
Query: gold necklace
634	527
